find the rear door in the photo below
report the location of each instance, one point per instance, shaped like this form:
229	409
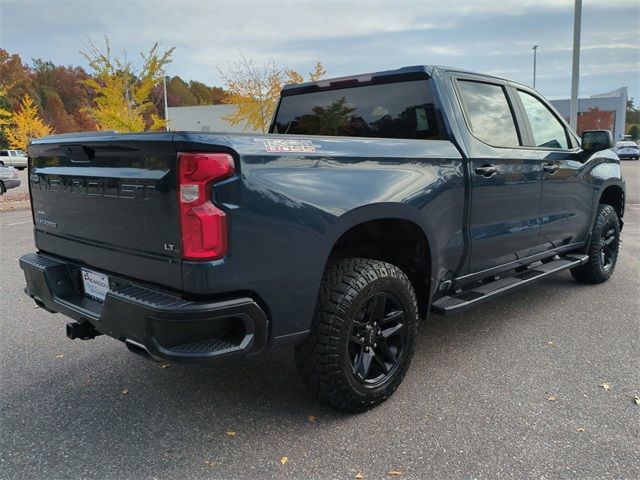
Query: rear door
566	198
109	201
505	178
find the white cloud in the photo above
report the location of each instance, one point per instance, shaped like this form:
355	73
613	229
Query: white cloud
349	37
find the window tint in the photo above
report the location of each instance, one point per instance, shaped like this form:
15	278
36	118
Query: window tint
488	113
4	152
547	130
393	110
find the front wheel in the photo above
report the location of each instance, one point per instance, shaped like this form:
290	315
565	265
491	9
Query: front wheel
603	248
362	336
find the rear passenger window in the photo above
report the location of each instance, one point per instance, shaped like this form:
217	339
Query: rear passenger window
488	113
548	132
391	110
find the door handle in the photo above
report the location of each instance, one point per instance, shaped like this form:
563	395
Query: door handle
486	170
550	168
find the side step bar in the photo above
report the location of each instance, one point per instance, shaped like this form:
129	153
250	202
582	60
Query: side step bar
459	302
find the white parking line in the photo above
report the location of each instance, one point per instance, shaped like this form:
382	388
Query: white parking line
18	223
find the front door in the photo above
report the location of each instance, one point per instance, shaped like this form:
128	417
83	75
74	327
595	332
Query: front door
505	178
566	199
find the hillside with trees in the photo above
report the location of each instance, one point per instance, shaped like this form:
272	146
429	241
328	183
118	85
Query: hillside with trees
118	93
65	97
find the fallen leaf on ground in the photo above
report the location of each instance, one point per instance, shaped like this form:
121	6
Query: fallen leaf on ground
60	356
231	434
359	476
125	391
395	473
284	460
311	418
606	386
636	399
580	429
552	398
165	365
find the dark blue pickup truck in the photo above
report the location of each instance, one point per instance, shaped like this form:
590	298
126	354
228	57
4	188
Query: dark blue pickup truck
374	200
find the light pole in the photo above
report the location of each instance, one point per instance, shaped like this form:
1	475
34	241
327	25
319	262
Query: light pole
575	71
535	51
166	105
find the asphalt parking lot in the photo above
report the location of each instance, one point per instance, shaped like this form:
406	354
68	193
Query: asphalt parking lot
511	389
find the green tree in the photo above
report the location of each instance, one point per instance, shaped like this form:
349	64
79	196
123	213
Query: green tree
206	95
178	90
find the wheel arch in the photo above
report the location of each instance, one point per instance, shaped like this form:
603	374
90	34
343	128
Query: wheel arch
395	233
614	195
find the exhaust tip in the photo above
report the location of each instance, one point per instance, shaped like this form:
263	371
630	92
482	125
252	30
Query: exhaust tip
140	350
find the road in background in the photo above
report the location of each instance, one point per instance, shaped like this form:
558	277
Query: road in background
510	389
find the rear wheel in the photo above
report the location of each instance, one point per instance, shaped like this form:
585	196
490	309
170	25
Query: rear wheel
3	189
362	335
603	248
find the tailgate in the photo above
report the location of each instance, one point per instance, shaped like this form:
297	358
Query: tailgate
109	201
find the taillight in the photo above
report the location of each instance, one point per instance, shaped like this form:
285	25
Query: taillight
203	226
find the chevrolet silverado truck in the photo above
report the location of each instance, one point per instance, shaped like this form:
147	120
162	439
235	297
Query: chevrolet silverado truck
372	201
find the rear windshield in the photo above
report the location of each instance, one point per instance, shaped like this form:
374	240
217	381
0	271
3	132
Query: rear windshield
392	110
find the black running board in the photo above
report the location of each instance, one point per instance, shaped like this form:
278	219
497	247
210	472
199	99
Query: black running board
459	302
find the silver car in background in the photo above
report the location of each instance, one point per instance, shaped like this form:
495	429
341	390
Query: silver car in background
13	158
627	150
8	178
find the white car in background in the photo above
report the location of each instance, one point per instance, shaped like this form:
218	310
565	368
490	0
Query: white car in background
627	149
13	158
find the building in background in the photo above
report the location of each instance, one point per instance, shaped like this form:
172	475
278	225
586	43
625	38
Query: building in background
203	118
606	111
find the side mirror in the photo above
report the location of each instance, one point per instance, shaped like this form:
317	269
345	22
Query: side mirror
596	140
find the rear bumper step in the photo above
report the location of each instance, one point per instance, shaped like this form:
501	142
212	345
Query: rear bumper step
459	302
163	325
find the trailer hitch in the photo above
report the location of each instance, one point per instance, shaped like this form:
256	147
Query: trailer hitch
83	331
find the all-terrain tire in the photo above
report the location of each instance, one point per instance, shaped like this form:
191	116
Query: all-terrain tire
331	362
602	249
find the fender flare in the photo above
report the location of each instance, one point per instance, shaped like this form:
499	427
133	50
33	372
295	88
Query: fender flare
379	211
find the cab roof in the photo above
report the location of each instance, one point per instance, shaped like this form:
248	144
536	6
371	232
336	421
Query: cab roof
415	72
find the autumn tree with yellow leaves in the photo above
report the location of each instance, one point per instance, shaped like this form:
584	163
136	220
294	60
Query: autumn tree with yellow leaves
5	115
24	125
122	91
254	90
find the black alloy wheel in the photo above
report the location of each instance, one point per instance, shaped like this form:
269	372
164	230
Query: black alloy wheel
609	246
378	338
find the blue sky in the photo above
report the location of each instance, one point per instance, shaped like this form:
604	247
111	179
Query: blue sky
348	37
